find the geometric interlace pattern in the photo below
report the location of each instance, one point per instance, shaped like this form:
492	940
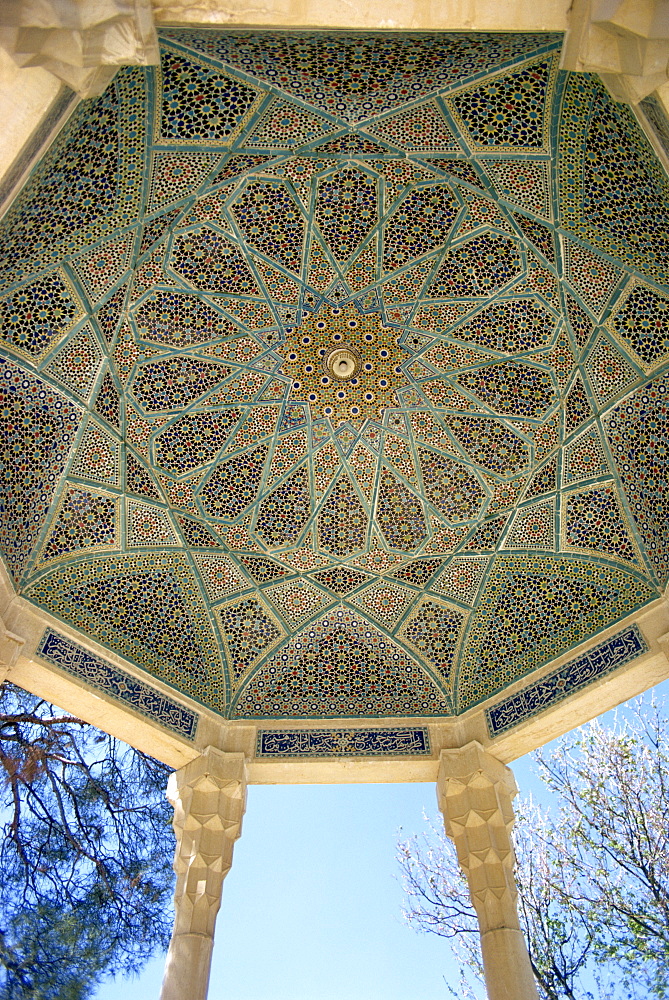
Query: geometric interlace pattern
189	484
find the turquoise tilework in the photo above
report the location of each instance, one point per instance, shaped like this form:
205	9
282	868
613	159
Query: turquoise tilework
190	484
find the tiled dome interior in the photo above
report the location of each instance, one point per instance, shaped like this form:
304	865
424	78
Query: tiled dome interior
185	480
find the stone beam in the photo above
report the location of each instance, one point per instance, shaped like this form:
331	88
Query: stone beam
402	15
11	645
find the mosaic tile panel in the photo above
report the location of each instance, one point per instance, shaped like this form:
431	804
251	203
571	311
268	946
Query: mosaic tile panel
524	182
85	522
490	444
616	197
340	667
98	456
462	578
532	528
356	76
283	514
385	602
146	607
34	317
220	576
481	266
428	214
103	267
249	633
608	371
148	527
210	262
76	365
434	631
297	601
88	184
200	105
637	431
193	440
138	479
400	514
343	521
654	112
533	606
641	321
38	430
107	403
340	579
512	389
423	129
179	267
584	458
508	114
593	521
510	326
451	486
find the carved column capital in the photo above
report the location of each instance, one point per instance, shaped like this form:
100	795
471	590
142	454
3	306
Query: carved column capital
625	41
209	798
475	792
82	42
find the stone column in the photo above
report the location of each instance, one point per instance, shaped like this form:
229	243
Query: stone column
10	649
209	798
474	791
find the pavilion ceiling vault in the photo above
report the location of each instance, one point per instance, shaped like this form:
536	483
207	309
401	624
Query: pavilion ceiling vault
478	237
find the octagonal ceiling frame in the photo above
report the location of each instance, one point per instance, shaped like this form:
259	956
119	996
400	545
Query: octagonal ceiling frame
546	709
647	667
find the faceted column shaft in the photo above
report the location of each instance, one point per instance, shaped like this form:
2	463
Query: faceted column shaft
474	791
209	798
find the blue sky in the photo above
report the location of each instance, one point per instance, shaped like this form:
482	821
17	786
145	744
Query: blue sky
312	906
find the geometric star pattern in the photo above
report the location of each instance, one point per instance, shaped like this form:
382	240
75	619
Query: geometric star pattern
189	482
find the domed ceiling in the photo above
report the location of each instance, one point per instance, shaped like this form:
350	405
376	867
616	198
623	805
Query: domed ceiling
336	370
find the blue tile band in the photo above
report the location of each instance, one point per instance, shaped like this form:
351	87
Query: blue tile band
76	660
343	743
568	679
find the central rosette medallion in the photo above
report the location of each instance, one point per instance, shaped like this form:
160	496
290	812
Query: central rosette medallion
345	364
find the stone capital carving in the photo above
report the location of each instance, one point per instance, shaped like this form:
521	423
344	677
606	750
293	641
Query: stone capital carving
209	798
475	791
82	42
625	41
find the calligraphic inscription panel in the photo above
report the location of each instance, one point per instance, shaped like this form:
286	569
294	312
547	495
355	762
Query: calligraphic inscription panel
100	674
568	679
343	743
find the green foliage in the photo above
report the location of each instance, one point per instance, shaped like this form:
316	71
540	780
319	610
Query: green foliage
85	854
592	875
